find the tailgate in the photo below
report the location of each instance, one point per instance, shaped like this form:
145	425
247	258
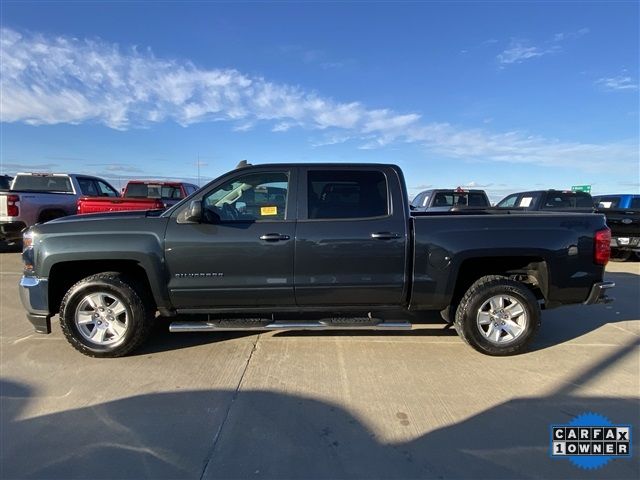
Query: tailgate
97	205
3	205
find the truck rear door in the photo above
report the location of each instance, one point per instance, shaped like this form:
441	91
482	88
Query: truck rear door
351	237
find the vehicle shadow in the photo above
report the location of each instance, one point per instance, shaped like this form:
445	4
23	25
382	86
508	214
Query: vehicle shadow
559	325
14	247
567	323
161	340
266	434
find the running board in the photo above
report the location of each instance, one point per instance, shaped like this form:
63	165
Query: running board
315	325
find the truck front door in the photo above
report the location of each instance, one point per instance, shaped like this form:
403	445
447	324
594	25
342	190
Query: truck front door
351	237
241	253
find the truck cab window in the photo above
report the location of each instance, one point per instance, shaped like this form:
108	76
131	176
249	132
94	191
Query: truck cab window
106	190
508	202
88	187
251	197
334	194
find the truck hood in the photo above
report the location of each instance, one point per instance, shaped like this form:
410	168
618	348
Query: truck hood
104	223
108	216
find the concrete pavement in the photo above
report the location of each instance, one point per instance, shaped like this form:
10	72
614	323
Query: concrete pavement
417	404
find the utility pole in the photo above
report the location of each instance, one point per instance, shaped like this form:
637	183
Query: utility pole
198	169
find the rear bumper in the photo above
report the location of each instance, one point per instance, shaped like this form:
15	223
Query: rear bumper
598	293
11	230
35	299
626	243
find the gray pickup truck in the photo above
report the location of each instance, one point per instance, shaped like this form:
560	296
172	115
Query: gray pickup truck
40	197
308	246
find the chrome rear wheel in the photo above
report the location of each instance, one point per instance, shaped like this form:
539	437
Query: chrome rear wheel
502	319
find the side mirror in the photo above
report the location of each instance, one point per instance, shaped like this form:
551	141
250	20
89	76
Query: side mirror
193	214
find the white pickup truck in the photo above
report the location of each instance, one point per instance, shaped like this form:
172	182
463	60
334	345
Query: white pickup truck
40	197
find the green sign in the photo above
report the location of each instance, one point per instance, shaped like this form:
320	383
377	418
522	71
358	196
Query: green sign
581	188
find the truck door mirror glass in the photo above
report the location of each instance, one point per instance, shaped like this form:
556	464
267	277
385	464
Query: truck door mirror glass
193	213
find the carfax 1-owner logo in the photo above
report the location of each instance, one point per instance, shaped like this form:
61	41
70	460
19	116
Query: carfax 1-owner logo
590	441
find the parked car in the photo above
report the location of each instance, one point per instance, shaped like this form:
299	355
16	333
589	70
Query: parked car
443	200
623	217
139	195
5	182
551	200
40	197
308	246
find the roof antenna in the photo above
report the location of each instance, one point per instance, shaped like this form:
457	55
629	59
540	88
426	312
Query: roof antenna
243	164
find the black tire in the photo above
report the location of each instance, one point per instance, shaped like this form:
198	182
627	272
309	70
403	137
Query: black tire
618	255
138	321
481	291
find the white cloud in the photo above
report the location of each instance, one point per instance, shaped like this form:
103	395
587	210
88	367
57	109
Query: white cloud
27	167
51	80
116	167
518	52
474	184
243	127
620	82
282	127
559	37
521	50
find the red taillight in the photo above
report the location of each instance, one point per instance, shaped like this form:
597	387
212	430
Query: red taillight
602	246
12	208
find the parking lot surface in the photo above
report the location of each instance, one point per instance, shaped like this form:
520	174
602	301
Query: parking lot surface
418	404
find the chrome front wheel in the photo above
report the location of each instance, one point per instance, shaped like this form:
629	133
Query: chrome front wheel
101	318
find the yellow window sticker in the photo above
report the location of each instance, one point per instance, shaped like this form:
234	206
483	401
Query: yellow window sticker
268	211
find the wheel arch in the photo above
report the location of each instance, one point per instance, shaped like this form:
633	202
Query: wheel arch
532	271
47	214
63	275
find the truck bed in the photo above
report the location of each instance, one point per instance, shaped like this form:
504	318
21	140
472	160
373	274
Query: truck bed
119	204
541	240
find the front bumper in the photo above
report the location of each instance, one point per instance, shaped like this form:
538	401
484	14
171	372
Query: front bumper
35	299
598	293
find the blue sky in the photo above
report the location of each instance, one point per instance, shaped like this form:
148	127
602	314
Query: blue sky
497	95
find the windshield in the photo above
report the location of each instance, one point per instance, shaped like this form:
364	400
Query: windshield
43	183
460	199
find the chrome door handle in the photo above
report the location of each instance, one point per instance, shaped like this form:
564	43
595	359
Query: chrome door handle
273	237
385	235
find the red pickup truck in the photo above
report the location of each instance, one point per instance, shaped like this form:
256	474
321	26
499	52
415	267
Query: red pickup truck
139	195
